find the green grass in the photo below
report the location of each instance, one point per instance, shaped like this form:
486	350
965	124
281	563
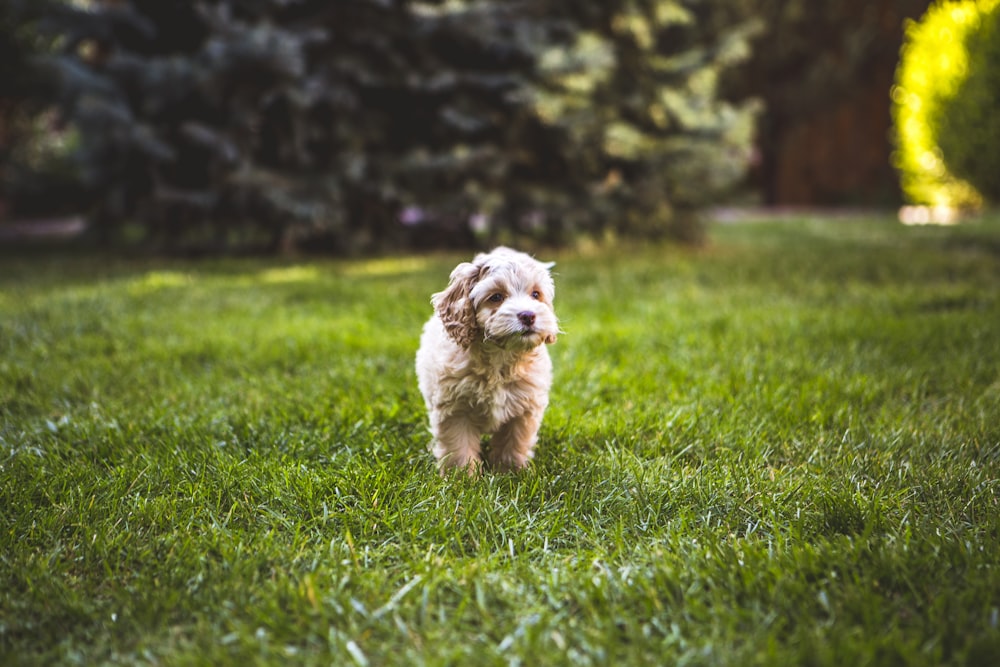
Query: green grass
783	448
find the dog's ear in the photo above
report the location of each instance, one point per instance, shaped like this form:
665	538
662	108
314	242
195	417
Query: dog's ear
551	338
454	306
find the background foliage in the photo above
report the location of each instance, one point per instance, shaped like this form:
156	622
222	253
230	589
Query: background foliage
931	86
205	121
969	130
33	160
527	120
824	72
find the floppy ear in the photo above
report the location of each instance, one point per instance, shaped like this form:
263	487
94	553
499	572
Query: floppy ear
454	306
551	338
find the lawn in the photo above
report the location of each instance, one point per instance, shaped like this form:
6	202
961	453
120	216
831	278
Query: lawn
781	448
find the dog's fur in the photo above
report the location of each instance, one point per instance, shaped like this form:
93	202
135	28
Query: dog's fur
483	366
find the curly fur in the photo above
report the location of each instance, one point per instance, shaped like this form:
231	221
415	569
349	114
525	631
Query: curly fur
483	366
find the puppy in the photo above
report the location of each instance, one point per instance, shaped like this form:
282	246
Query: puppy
483	367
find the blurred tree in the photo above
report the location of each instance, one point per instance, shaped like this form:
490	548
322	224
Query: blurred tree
33	167
824	71
635	97
969	124
170	102
340	120
937	102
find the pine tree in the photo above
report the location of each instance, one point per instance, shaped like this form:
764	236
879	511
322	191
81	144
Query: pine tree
290	119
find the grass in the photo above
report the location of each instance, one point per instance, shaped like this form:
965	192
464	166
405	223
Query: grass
783	448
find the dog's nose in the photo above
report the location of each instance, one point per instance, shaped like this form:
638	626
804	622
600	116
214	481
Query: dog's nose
527	318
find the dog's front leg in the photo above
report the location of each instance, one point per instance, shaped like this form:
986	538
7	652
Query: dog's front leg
513	444
456	445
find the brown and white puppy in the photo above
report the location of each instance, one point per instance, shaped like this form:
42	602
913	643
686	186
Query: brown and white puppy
483	367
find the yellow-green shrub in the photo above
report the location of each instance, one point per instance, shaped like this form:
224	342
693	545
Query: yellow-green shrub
932	72
969	131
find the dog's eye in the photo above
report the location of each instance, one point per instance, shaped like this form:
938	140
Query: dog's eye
496	298
535	294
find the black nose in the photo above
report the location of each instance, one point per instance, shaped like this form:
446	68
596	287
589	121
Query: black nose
527	318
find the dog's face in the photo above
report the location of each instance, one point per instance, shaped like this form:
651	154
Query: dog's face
504	297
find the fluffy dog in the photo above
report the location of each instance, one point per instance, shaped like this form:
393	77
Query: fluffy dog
483	367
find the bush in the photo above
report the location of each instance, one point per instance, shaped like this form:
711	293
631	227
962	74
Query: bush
936	136
969	131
